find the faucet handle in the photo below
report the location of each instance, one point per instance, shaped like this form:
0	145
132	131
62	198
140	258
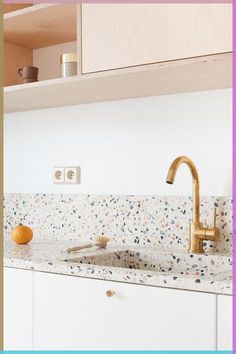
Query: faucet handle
212	233
214	217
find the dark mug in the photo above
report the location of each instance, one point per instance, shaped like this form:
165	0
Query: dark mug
29	73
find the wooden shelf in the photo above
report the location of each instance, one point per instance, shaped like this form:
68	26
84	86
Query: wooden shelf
13	7
187	75
34	27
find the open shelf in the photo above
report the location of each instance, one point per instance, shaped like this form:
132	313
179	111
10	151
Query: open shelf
41	25
187	75
37	35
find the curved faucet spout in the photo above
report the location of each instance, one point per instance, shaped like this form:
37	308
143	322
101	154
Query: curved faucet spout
198	233
196	193
175	165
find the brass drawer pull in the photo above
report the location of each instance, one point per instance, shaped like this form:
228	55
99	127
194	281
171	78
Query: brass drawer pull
110	293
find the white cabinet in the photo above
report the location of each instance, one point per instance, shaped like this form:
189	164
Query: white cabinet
122	35
225	322
18	297
47	311
72	313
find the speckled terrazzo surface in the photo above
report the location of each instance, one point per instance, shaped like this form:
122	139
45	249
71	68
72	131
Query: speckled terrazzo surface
132	264
156	221
149	239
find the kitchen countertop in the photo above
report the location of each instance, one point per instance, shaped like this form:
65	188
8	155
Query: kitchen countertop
200	272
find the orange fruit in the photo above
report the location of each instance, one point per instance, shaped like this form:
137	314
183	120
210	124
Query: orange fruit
22	234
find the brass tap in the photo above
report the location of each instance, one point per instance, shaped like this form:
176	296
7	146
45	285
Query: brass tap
198	233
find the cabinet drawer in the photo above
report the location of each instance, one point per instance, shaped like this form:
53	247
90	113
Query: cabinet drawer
72	313
121	35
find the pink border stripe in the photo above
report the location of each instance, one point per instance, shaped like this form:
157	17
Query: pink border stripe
119	1
234	175
234	104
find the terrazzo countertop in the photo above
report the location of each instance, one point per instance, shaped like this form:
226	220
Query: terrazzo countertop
132	264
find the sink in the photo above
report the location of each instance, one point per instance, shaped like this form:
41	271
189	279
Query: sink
160	261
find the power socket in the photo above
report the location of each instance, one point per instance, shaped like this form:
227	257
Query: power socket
58	175
72	175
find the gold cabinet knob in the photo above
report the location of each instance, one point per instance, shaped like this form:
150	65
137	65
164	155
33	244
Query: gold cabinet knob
110	293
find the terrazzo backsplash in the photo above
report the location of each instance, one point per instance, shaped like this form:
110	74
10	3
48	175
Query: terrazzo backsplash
156	221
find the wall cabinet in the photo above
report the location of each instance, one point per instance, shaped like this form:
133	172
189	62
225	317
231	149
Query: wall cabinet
72	313
115	42
121	35
225	322
18	300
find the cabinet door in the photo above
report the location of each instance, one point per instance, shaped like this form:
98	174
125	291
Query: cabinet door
225	322
121	35
17	309
72	313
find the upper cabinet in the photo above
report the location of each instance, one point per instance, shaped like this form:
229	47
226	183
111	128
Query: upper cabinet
122	35
123	51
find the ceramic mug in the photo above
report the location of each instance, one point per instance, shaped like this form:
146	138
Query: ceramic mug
29	73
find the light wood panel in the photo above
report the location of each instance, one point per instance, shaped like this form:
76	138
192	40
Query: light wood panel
79	39
13	7
122	35
41	25
196	74
14	58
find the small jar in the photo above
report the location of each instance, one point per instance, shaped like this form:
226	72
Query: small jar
68	64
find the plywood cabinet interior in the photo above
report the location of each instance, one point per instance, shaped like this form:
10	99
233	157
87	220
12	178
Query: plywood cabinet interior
15	57
14	7
41	25
31	29
121	35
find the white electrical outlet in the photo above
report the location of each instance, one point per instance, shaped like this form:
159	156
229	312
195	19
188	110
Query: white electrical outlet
58	175
72	175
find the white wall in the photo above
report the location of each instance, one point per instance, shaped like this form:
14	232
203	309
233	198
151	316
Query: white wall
123	146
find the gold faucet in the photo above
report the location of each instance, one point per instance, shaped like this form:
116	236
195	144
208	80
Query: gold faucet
198	233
